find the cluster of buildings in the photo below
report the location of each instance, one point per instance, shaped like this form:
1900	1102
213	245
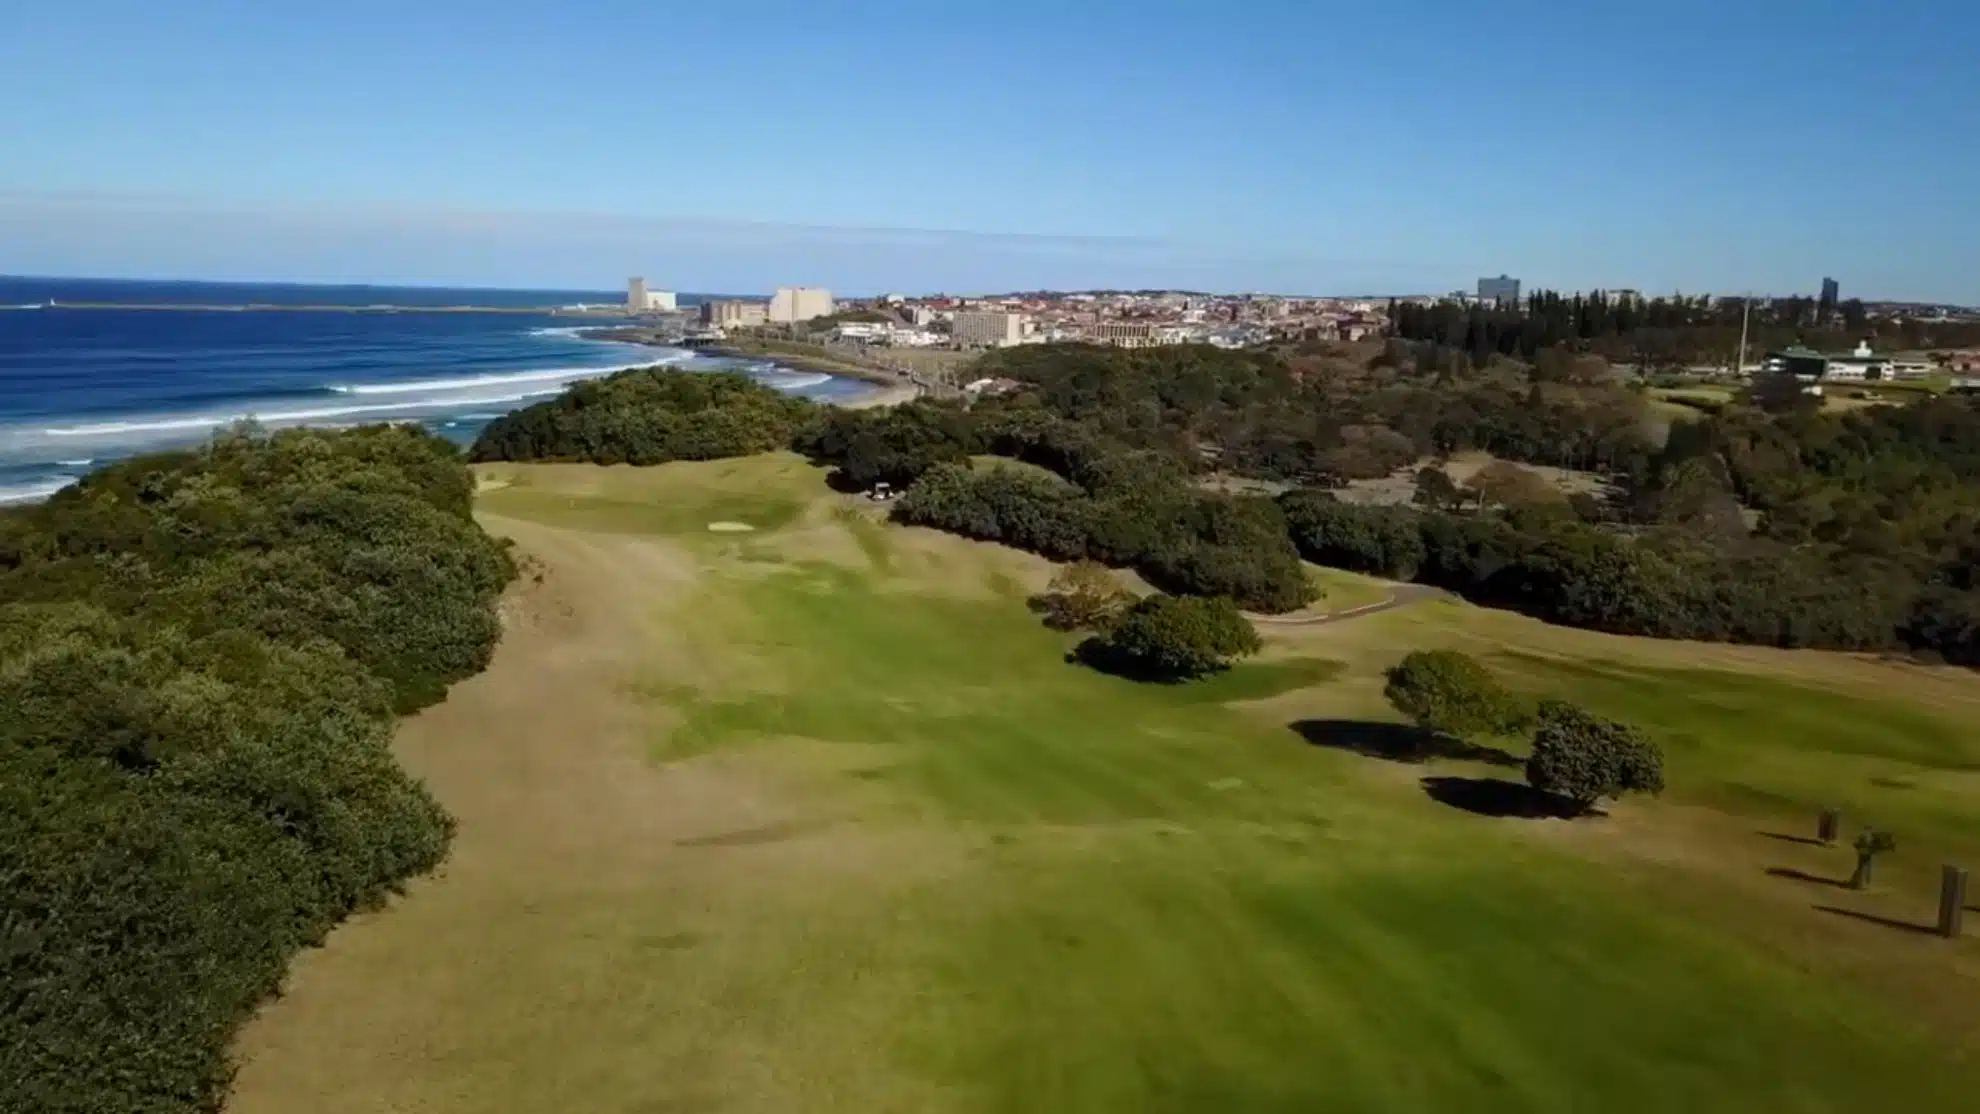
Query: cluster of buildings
1124	320
790	305
1858	366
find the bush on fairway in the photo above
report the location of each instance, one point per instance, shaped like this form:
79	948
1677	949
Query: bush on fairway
1082	596
200	654
1582	758
1173	638
1450	692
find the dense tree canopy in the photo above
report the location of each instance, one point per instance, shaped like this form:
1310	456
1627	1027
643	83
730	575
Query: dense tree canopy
1655	332
1794	527
200	655
895	445
647	416
1321	418
1132	510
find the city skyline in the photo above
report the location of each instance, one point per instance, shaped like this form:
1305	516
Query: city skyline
1270	146
606	292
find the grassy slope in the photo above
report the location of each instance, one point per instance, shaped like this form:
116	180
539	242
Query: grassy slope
886	852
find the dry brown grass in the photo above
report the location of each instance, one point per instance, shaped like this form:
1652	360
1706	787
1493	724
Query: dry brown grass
582	880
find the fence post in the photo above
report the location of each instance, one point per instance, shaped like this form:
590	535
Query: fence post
1828	825
1952	900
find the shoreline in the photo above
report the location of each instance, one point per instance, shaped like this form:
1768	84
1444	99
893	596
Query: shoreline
798	361
884	396
815	364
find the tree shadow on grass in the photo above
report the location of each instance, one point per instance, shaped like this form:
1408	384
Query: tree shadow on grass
1396	742
1488	796
1887	922
1099	655
1804	876
838	481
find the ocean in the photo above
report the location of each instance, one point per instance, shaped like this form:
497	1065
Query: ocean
81	387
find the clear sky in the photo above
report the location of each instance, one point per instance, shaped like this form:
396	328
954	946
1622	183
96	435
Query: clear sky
1312	146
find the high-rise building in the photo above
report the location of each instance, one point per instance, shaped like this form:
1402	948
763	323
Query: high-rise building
793	304
732	314
975	329
1831	297
641	300
1503	290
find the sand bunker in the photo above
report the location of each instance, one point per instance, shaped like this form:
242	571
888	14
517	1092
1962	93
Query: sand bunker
730	527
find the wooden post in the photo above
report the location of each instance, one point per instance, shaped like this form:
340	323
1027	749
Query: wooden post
1828	825
1952	900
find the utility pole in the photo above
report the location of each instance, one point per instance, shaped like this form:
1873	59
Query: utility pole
1745	313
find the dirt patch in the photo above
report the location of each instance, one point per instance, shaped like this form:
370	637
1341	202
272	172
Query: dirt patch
1400	485
731	528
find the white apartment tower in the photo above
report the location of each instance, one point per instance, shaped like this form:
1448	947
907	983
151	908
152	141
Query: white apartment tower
793	304
976	329
641	300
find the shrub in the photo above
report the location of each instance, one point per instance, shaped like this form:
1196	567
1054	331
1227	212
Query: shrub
1450	692
1174	638
200	653
1436	491
1583	758
1082	596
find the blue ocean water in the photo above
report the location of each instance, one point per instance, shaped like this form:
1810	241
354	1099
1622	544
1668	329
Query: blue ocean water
80	387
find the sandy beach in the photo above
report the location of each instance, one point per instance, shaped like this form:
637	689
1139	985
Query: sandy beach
885	396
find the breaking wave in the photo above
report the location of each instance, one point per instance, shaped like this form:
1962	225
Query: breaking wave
35	490
180	423
790	381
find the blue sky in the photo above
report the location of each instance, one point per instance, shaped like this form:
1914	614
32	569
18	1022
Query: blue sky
1315	146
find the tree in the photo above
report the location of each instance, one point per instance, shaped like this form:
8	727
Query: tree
1506	484
1870	844
1582	758
1780	393
1450	692
1435	490
1082	596
1174	638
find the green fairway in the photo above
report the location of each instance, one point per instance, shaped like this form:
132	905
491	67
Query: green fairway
1345	591
1745	740
833	826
